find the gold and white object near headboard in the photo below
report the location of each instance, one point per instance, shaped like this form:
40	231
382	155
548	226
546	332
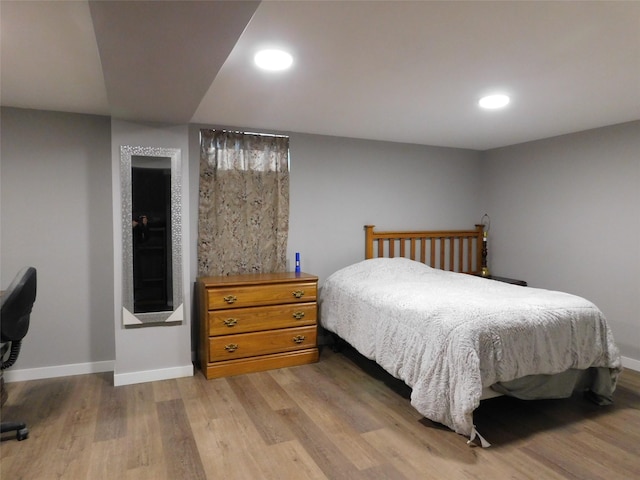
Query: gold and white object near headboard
454	250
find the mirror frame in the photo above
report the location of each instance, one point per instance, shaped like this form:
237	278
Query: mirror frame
129	318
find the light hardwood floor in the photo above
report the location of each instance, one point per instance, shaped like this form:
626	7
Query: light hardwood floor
338	419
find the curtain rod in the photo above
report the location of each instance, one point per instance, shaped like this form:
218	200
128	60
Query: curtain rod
248	133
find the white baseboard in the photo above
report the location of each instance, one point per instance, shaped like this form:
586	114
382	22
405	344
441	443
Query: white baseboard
15	375
631	363
152	375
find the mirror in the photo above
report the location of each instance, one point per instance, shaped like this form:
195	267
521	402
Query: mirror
151	189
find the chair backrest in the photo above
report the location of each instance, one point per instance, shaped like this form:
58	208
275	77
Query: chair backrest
17	302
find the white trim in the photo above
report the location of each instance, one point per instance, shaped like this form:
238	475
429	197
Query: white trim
177	315
631	363
25	374
129	318
152	375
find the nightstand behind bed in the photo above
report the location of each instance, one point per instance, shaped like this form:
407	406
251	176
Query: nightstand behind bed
512	281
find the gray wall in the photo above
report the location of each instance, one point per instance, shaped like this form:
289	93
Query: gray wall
565	215
338	185
56	216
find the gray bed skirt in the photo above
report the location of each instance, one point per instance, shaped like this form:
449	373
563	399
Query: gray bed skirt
598	383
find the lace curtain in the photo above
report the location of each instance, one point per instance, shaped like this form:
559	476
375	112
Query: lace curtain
244	203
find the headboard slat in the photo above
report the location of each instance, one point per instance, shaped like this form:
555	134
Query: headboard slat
452	249
432	241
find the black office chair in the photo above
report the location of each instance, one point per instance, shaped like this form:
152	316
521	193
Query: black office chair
17	302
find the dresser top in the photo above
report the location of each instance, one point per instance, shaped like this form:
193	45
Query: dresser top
251	278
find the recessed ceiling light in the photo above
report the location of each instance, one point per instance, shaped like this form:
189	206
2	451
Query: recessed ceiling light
494	101
273	60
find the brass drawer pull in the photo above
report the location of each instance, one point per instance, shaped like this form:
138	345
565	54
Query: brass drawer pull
232	347
230	322
299	339
298	293
230	299
298	315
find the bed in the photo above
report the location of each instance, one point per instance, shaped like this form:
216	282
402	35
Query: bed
418	305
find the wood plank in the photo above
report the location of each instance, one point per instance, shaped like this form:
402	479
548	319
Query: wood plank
144	453
181	452
343	423
343	418
107	459
321	448
164	390
74	445
288	457
266	422
346	411
112	413
271	390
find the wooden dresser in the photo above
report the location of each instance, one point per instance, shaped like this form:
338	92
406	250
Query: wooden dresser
255	322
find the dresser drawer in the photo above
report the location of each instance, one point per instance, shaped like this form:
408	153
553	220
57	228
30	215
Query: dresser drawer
261	343
266	294
254	319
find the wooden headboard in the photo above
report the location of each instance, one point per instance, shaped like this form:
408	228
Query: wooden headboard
462	251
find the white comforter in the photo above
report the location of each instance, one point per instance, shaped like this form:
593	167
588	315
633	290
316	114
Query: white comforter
448	335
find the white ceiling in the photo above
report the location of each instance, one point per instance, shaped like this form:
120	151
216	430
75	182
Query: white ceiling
387	70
